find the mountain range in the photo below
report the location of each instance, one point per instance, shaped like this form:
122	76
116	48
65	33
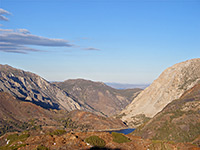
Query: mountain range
166	113
29	101
69	95
98	96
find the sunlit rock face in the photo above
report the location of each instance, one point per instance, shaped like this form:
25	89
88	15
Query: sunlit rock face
170	85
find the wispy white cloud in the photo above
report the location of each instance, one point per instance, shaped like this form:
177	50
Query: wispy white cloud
2	13
15	48
25	31
6	30
91	49
3	18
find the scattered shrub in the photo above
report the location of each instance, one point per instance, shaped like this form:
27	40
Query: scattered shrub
58	132
119	138
95	141
12	138
42	147
17	137
15	147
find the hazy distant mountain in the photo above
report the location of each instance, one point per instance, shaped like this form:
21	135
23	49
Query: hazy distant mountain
30	87
179	121
170	85
126	86
98	95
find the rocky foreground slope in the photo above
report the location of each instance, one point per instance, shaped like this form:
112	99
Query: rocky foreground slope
170	85
98	96
179	121
78	141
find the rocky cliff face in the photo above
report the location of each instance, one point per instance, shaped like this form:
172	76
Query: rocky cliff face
170	85
30	87
98	96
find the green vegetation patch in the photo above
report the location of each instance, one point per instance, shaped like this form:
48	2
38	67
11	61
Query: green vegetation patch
13	138
171	132
16	146
120	116
42	147
68	123
58	132
17	137
11	126
95	141
119	138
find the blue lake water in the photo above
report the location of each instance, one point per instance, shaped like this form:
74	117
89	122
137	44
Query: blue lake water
124	131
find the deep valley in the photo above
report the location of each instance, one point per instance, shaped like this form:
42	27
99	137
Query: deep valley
75	114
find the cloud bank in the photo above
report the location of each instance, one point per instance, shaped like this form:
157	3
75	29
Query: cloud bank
16	41
19	40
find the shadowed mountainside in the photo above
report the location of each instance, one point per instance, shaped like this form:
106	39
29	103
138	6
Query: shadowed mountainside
16	115
98	95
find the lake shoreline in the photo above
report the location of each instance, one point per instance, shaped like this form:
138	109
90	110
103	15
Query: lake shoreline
119	130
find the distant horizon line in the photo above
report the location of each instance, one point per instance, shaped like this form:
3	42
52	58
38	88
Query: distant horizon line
106	82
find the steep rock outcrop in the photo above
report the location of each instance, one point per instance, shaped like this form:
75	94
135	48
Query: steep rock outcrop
170	85
27	86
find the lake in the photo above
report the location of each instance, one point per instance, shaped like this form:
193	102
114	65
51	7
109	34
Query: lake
124	131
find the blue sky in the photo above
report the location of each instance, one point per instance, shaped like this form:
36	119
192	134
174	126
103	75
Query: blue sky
124	41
